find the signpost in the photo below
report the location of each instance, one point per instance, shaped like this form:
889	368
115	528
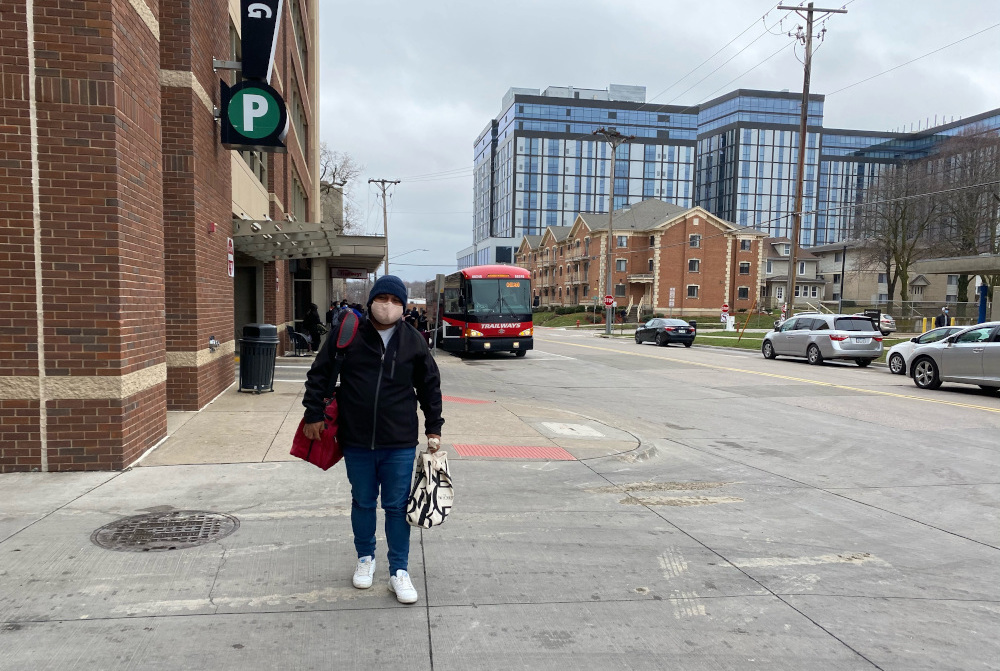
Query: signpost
253	115
609	300
673	292
725	312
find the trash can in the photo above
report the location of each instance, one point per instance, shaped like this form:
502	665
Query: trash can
693	324
258	349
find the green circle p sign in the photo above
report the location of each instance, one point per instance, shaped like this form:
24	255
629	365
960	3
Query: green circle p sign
254	113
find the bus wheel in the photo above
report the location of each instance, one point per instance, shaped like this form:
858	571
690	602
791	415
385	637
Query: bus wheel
520	352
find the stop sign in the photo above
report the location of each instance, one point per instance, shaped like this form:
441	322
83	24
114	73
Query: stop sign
609	300
725	307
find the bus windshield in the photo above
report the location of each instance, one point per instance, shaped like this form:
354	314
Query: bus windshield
500	299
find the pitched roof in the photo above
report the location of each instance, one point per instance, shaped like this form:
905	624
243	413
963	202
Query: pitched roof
639	217
532	241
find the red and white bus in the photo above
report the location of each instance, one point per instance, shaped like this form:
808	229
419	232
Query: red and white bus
482	309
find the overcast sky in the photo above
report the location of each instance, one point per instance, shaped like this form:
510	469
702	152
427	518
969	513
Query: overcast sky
405	87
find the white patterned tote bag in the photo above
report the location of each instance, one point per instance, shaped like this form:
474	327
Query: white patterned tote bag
432	493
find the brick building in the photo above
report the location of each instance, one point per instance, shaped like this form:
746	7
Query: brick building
118	203
656	247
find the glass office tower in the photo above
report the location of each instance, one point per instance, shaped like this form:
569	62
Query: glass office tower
539	164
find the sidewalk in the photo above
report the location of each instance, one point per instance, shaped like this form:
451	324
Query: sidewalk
606	553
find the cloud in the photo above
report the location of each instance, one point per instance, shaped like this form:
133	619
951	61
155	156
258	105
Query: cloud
406	87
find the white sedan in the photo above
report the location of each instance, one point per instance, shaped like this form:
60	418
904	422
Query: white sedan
900	354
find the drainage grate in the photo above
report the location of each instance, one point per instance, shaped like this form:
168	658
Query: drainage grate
158	532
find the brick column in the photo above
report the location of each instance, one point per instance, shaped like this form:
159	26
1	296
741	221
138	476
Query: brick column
196	194
82	361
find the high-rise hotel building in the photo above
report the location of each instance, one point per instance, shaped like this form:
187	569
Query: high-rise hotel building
538	163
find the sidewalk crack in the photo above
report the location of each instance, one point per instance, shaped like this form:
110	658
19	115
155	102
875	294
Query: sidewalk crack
211	591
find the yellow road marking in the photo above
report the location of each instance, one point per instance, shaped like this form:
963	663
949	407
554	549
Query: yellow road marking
776	376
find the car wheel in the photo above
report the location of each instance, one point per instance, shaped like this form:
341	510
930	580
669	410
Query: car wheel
767	349
661	341
521	352
862	363
896	365
814	356
988	389
638	341
688	344
925	374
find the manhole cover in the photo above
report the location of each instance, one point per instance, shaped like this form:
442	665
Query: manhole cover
158	532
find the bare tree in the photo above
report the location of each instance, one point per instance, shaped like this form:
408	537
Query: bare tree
338	171
968	166
894	221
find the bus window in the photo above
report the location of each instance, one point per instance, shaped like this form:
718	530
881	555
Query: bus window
451	301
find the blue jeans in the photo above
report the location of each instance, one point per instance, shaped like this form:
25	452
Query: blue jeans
368	471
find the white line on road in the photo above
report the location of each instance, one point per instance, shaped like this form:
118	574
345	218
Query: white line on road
846	558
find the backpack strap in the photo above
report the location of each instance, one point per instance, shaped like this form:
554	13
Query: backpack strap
347	329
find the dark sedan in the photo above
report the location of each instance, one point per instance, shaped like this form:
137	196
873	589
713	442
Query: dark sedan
665	331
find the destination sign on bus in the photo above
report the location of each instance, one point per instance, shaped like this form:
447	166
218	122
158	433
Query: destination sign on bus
513	285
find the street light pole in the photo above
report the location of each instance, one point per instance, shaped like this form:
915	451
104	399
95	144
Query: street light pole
615	139
384	184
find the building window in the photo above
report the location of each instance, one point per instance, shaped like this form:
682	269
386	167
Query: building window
836	257
694	240
802	267
652	240
815	292
953	280
620	290
951	298
743	293
745	245
796	294
692	291
694	265
651	265
881	278
786	250
620	265
779	292
612	115
744	268
770	269
622	241
836	278
836	297
882	298
300	204
917	291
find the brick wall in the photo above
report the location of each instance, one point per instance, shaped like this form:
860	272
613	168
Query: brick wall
96	86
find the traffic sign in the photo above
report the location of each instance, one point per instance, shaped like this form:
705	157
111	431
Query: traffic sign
253	117
230	251
609	300
725	307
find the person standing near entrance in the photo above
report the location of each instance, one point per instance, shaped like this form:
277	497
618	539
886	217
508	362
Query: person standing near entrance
387	371
942	319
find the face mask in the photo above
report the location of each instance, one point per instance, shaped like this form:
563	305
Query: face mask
387	313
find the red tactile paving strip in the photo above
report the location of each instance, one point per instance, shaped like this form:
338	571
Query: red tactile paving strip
457	399
514	452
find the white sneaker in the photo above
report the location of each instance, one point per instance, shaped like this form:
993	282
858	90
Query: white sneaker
403	587
364	572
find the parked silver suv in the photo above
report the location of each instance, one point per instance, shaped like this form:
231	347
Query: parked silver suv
818	337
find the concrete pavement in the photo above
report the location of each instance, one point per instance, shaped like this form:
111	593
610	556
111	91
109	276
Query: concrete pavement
635	551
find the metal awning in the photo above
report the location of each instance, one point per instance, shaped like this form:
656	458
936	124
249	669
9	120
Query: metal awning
284	240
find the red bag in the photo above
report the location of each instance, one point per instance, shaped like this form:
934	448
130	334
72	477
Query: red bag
326	451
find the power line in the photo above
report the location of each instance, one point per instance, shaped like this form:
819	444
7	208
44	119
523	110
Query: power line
929	53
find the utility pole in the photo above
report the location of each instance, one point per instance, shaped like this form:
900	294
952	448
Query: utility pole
615	139
843	270
801	162
384	184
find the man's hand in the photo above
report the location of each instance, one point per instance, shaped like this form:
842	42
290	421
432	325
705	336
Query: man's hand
313	431
433	442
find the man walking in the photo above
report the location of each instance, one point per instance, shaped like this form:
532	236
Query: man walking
386	372
942	319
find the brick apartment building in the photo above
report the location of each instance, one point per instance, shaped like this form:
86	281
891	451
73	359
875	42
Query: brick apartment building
656	247
118	201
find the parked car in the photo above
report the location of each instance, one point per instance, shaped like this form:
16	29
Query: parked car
819	337
666	331
900	354
886	324
971	356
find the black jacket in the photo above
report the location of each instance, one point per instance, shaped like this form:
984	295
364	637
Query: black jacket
380	387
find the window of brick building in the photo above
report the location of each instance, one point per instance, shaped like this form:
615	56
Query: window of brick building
622	241
620	290
620	265
694	265
694	240
745	245
744	268
692	291
651	265
652	240
743	293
